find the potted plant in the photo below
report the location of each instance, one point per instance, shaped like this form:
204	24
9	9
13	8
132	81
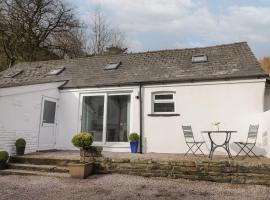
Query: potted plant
3	159
20	146
216	126
83	169
134	141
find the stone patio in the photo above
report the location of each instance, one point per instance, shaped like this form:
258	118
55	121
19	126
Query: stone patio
220	169
75	155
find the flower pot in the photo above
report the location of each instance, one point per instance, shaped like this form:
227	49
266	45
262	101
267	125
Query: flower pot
20	151
80	170
134	146
3	164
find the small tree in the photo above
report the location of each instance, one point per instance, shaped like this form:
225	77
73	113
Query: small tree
103	36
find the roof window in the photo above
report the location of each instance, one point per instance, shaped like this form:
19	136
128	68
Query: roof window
56	71
112	65
199	58
12	73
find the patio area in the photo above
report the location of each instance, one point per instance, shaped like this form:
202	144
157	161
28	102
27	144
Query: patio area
75	155
174	166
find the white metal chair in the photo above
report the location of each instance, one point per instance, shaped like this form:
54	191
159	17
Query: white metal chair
250	143
190	141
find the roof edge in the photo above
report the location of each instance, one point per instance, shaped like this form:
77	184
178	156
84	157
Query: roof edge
170	82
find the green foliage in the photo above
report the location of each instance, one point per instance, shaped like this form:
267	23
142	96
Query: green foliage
3	155
83	140
20	142
133	137
114	50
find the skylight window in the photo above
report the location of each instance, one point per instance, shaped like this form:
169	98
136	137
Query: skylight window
56	71
112	65
12	73
199	58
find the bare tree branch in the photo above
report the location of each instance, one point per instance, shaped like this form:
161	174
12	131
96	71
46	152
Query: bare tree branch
28	27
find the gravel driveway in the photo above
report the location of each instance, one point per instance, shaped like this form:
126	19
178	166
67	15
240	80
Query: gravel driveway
119	187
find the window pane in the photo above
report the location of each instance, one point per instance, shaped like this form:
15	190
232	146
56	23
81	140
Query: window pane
49	112
163	96
118	118
163	107
92	116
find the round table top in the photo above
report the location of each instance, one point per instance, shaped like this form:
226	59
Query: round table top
219	131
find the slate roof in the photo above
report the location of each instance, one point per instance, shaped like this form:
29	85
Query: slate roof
230	61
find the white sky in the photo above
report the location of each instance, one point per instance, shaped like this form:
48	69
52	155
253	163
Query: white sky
167	24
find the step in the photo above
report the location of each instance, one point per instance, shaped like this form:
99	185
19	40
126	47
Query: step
42	161
41	168
34	173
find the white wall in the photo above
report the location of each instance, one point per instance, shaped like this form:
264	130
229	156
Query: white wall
265	133
69	116
235	104
20	109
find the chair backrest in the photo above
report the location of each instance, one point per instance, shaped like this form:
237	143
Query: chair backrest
188	133
252	133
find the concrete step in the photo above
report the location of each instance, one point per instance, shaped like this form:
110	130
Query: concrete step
41	168
33	173
41	161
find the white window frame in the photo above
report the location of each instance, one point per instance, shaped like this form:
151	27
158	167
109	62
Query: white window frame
43	123
163	101
105	95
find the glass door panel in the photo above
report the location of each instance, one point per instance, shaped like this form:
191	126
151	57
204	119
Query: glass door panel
118	107
92	116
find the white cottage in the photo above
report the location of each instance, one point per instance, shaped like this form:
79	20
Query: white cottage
152	93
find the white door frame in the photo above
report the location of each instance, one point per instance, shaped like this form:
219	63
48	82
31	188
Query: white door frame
41	124
106	94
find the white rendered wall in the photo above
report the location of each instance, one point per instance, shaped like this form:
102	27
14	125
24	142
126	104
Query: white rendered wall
235	104
20	109
70	111
265	131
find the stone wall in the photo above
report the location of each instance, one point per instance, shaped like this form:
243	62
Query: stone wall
219	171
227	171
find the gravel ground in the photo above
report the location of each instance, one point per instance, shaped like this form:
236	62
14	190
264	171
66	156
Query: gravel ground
120	187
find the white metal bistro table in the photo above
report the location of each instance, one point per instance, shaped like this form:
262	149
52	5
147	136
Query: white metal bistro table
224	145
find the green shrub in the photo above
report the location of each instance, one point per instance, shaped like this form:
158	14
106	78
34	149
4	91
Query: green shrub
20	142
133	137
3	155
83	140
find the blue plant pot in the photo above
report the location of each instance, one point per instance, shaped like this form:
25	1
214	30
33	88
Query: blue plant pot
134	146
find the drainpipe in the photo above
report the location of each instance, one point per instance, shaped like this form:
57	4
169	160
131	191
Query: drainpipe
141	116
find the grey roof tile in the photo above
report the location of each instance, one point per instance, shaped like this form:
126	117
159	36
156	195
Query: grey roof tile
224	61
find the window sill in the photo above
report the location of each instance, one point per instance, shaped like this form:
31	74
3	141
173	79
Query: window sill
164	115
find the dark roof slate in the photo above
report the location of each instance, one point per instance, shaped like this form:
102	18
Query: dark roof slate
230	61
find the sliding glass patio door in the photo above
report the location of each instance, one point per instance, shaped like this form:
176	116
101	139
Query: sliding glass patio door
107	116
93	116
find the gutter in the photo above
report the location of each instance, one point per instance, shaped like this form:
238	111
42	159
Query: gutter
187	80
141	116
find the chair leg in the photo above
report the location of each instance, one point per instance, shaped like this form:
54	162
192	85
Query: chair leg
190	149
199	148
250	151
241	149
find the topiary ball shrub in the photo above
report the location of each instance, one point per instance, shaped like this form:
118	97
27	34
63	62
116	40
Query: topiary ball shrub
3	159
20	142
83	140
133	137
3	155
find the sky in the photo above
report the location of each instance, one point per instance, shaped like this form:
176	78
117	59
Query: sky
169	24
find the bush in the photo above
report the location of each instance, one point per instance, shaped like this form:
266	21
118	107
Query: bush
20	142
83	140
133	137
3	155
